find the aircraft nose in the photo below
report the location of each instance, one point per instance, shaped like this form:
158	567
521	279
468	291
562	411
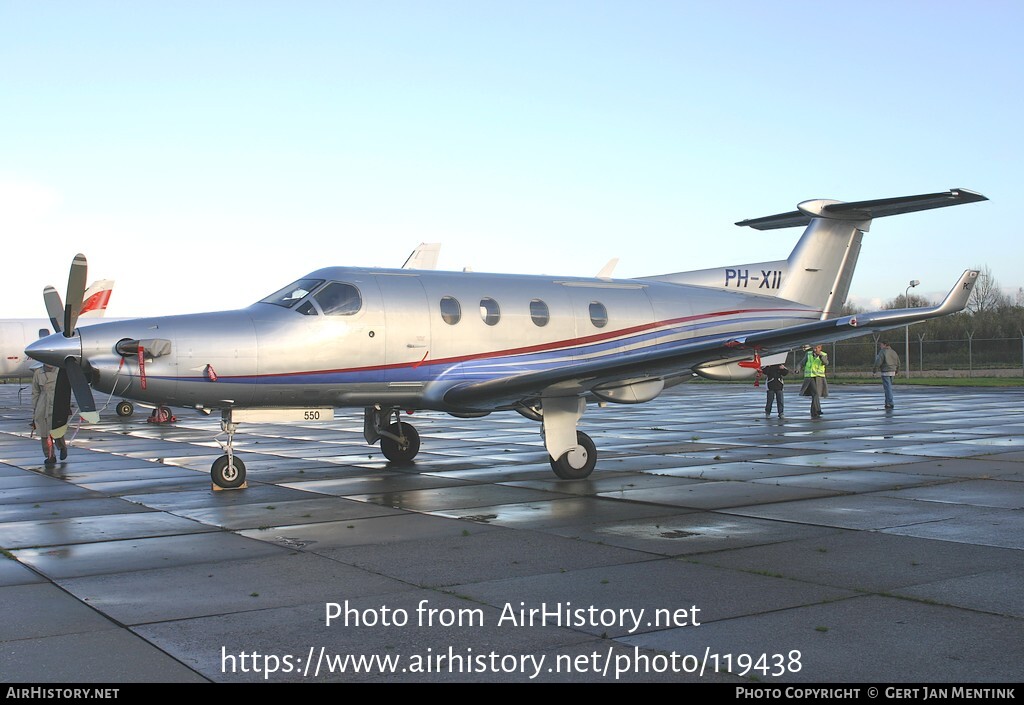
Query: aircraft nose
55	349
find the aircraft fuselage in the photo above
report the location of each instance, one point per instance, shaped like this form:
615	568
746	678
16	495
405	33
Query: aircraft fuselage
414	335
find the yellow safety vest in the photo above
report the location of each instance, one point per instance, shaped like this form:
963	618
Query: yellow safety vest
814	366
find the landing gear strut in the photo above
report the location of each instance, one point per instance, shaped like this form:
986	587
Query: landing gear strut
399	441
228	472
572	453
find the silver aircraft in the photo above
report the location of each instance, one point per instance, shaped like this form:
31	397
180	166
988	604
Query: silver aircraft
388	340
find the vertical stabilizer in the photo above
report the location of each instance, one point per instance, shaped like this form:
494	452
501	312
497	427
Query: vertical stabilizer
820	268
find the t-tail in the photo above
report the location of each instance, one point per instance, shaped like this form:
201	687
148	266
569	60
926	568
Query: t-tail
820	268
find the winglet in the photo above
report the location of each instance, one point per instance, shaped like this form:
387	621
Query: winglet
606	271
839	328
424	256
956	299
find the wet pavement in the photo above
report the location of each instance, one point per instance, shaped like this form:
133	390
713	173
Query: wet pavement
711	544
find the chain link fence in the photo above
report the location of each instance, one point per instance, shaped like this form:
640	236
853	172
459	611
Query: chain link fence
964	357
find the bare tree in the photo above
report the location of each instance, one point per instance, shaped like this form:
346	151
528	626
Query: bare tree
986	295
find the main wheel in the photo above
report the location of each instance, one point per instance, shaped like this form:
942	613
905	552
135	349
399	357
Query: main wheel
566	471
398	452
228	476
125	408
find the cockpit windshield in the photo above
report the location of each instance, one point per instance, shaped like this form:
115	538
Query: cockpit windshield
293	293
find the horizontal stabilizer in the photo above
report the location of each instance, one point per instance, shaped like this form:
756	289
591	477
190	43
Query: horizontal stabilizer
863	210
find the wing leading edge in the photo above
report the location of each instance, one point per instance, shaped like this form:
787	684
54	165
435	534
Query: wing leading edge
641	365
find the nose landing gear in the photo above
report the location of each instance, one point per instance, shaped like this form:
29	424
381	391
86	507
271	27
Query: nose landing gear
228	472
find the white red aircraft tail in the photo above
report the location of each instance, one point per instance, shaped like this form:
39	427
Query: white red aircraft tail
97	297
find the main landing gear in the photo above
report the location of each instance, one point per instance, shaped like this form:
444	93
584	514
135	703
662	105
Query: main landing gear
399	441
572	453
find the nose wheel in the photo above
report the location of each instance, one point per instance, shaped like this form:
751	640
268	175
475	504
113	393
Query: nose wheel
228	472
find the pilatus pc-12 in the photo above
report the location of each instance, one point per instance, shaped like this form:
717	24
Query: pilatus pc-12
471	344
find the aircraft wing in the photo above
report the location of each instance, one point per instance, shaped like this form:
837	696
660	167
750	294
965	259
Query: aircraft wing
643	365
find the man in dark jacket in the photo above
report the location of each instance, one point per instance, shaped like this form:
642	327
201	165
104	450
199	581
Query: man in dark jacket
774	374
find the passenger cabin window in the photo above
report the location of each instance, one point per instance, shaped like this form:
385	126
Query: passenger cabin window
337	299
598	314
489	311
451	310
293	293
539	312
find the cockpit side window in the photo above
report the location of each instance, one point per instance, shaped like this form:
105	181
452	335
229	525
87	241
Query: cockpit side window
307	309
293	293
338	299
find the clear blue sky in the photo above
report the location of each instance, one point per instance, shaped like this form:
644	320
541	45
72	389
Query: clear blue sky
204	154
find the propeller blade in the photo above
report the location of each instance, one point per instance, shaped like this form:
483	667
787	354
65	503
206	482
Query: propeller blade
61	405
54	308
76	293
83	393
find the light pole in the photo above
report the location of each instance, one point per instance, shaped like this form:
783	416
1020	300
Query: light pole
906	302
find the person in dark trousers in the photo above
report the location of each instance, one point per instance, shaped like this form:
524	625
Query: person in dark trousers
815	385
887	362
773	376
44	382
